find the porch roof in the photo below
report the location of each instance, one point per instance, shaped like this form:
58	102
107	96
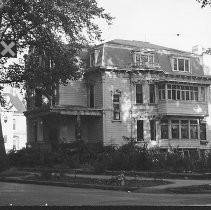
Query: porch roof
64	110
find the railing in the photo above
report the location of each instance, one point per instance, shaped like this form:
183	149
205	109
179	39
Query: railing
146	65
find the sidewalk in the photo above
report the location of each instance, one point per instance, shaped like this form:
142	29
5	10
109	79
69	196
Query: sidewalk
175	183
156	189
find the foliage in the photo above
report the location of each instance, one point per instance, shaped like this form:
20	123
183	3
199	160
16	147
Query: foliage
54	33
204	3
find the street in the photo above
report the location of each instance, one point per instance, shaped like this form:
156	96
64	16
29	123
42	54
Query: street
37	195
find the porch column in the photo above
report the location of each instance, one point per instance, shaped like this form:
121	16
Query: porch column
78	127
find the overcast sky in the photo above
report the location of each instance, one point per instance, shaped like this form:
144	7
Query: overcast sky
159	22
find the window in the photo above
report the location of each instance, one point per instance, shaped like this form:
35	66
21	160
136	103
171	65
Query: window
14	124
116	107
181	64
139	94
141	59
203	131
175	129
153	129
162	91
91	96
184	129
140	130
152	93
202	93
182	92
193	129
164	129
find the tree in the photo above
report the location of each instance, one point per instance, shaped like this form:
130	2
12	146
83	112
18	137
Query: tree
204	3
56	30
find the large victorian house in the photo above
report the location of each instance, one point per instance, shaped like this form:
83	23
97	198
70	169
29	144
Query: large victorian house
157	95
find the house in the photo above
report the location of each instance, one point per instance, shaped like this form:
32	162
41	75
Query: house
13	120
155	94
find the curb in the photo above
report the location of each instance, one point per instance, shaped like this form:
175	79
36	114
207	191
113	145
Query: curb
74	185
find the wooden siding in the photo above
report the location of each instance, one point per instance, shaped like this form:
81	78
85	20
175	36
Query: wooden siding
115	130
181	143
184	108
96	79
74	93
95	129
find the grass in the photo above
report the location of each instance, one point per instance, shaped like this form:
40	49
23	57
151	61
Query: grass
99	181
194	189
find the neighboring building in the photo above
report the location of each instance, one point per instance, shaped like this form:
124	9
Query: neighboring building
13	121
158	95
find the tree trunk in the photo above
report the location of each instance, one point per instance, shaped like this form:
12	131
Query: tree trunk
4	162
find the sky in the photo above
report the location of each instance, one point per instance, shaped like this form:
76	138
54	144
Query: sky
179	24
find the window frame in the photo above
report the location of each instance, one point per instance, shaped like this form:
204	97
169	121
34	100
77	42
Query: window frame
140	133
139	61
116	111
190	124
185	59
140	94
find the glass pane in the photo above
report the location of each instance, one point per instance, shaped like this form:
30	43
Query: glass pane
169	86
184	121
187	95
163	94
194	132
184	132
115	98
203	131
186	65
175	121
116	115
202	93
150	58
175	131
174	94
164	131
178	95
116	107
175	64
183	95
169	94
193	122
144	58
140	130
181	64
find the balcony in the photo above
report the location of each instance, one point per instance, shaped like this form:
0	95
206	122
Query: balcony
185	108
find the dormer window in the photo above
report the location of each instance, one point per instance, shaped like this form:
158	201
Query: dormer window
181	64
141	59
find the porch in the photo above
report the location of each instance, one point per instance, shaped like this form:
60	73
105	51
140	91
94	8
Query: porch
64	124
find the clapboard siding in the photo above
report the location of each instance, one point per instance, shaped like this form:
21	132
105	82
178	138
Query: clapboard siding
182	143
96	79
74	93
183	108
115	130
95	129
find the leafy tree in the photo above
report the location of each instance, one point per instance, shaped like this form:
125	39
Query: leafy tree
204	2
56	31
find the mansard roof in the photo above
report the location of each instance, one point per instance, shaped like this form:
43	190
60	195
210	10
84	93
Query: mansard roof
118	53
